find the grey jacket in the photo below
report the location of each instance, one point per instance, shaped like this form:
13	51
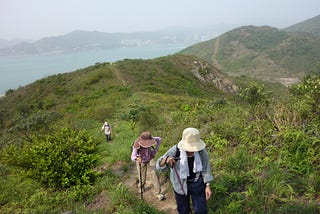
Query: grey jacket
206	173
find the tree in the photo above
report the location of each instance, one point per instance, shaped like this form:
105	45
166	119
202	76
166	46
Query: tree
255	94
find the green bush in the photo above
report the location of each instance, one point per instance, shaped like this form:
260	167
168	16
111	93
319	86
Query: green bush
255	94
63	159
309	92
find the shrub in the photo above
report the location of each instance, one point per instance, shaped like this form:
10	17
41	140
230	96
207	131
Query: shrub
61	160
255	94
309	92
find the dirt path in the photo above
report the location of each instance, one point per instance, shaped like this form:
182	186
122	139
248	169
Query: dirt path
215	53
168	205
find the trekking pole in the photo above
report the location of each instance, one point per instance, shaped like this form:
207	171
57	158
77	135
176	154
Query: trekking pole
140	180
181	186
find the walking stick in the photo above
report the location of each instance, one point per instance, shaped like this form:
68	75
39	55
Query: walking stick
140	180
181	186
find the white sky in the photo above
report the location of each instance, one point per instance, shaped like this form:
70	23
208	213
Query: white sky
35	19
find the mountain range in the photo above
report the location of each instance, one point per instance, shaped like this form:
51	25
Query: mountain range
264	52
310	25
80	40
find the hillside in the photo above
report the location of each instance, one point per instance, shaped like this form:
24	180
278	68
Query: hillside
311	25
173	75
264	53
264	150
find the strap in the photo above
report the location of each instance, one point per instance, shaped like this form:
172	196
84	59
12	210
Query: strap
177	152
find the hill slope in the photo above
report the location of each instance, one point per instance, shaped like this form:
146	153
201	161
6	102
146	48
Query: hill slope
264	157
172	75
261	52
311	25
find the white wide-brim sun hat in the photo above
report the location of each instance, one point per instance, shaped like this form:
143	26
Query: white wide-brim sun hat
191	141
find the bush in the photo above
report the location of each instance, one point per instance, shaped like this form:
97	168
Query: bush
309	92
61	160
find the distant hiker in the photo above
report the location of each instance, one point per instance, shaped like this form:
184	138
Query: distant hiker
190	172
107	130
144	150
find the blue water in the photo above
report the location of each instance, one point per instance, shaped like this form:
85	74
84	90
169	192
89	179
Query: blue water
23	70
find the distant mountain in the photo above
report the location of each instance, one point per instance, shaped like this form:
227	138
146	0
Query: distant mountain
263	52
4	43
94	40
310	26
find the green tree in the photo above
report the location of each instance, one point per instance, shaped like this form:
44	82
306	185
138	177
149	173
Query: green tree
308	92
255	94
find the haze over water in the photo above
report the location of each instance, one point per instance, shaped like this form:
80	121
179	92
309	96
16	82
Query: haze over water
22	70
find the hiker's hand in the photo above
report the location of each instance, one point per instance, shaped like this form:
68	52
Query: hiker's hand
208	192
170	161
139	159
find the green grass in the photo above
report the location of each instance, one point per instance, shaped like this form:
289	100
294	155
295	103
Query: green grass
258	152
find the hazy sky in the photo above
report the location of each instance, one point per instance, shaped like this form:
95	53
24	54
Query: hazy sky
35	19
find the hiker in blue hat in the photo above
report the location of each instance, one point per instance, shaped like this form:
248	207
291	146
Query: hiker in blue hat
190	172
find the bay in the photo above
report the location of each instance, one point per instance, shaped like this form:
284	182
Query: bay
22	70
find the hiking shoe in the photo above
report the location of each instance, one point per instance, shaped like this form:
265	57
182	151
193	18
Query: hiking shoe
160	196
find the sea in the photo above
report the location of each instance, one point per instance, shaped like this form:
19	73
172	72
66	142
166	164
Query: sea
19	71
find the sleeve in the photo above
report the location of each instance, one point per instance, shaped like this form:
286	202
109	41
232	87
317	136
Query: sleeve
171	152
158	140
206	173
134	154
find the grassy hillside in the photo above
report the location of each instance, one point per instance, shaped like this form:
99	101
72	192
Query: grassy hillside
311	25
264	53
263	139
101	91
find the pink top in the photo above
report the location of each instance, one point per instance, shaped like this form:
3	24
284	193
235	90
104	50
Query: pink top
146	153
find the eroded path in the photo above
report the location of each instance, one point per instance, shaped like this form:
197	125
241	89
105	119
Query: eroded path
167	205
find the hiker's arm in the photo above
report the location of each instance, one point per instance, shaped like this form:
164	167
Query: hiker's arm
155	150
167	161
134	154
161	162
208	191
206	173
158	140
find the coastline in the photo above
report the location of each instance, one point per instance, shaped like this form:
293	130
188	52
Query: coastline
23	70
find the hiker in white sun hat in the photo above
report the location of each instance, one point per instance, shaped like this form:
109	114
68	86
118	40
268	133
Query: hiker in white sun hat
190	172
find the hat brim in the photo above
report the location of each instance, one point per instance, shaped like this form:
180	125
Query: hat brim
136	145
194	147
146	143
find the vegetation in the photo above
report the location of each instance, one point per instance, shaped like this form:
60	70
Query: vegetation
262	52
264	145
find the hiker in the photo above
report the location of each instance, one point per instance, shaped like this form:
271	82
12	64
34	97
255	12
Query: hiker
190	172
144	150
107	130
